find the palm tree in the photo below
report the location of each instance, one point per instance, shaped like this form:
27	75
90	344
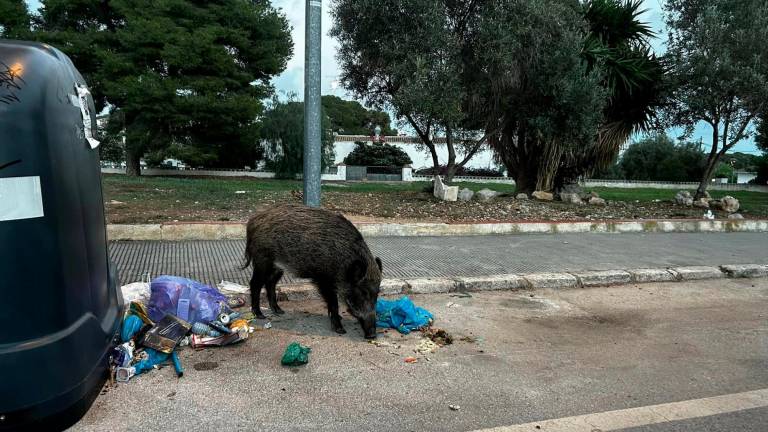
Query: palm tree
618	43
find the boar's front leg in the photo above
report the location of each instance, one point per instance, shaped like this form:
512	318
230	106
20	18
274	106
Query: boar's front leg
328	291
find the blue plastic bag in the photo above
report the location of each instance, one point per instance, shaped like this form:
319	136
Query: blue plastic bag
401	314
189	300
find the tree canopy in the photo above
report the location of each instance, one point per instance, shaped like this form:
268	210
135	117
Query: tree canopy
282	138
351	118
658	158
184	77
556	94
15	20
405	56
718	63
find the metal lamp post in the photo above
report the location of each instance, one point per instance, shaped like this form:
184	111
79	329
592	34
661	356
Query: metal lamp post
312	119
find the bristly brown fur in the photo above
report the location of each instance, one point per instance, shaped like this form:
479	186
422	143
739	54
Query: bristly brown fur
314	244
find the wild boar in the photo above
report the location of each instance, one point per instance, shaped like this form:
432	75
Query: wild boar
319	245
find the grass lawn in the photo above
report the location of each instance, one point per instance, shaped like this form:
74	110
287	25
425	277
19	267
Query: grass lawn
164	199
754	202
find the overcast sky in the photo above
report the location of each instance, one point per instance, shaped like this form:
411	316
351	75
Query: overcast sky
292	79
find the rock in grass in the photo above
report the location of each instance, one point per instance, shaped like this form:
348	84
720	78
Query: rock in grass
487	194
597	201
684	198
466	194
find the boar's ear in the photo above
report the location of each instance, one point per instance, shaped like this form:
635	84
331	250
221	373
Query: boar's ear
357	271
378	262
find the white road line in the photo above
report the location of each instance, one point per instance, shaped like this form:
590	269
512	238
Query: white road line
647	415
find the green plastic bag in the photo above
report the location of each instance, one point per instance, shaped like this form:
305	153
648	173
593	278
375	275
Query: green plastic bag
296	355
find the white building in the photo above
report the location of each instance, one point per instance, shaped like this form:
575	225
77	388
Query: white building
419	154
744	177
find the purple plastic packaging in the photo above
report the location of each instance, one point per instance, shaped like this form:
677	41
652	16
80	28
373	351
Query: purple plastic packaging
199	302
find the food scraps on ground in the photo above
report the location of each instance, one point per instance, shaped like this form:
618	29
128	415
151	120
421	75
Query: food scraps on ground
426	346
411	360
437	335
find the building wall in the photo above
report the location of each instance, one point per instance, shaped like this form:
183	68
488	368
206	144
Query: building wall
344	144
745	177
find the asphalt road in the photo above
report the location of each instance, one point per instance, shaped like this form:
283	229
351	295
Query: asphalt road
657	357
410	257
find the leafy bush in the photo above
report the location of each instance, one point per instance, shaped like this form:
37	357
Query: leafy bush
461	171
377	154
762	171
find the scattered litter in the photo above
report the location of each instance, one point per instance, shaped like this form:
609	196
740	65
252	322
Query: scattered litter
137	291
383	344
437	335
227	339
166	334
235	302
171	312
709	215
454	407
452	305
187	299
201	329
268	326
426	346
295	355
219	326
115	202
132	324
401	314
240	192
177	364
411	360
231	288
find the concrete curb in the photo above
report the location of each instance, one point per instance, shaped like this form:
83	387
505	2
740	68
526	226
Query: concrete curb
236	231
534	281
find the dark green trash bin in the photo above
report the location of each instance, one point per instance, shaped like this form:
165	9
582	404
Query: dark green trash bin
60	307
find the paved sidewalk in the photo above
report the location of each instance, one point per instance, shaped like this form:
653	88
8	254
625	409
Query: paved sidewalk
412	257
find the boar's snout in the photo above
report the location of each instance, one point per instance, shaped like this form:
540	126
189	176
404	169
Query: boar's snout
368	323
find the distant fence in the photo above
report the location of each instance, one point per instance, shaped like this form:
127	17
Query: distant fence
468	179
629	184
329	174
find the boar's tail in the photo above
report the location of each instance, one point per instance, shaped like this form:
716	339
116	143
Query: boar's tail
248	258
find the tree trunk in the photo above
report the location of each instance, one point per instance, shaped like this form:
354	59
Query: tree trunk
435	161
525	182
132	162
706	178
711	161
451	167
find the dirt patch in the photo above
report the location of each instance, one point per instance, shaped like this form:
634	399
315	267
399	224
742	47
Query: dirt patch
159	200
522	303
205	366
630	321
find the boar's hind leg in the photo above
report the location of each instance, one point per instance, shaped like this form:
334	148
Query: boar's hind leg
257	281
328	291
274	278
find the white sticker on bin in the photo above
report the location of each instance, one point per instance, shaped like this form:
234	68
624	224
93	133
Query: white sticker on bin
20	198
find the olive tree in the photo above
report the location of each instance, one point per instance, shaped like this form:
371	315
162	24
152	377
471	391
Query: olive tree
718	62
